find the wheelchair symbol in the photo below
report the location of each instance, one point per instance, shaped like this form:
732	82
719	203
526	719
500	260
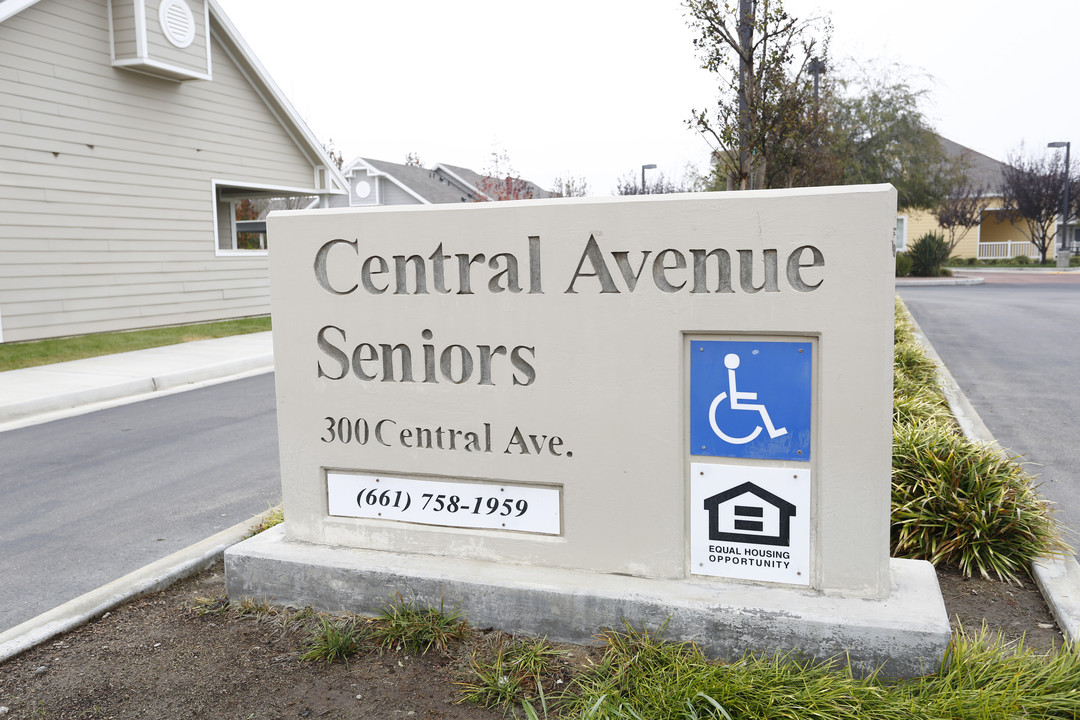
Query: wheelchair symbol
731	362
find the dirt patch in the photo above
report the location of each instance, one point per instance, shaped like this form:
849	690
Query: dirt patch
157	657
1016	611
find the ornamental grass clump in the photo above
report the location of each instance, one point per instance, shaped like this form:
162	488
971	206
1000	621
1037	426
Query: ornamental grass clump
983	677
968	504
955	501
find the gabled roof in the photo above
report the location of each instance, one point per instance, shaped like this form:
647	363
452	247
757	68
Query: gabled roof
981	170
440	184
464	177
423	184
222	29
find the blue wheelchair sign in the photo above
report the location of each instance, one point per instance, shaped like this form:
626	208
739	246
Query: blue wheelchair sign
750	399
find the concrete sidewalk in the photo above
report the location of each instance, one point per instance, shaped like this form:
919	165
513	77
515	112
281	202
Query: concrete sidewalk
48	392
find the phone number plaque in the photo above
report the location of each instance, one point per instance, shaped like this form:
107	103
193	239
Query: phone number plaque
449	503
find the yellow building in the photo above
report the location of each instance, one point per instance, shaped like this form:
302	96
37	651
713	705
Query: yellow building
993	238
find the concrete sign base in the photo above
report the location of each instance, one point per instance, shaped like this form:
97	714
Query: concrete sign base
904	635
564	414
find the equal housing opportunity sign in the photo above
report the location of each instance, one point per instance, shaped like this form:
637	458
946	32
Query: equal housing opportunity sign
567	412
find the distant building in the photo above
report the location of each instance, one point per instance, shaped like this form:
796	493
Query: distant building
993	238
377	182
140	146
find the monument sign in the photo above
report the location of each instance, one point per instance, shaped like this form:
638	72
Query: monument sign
562	413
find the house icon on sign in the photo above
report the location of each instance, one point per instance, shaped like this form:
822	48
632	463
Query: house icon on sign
747	513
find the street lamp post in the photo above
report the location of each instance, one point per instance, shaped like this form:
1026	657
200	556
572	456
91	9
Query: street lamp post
1063	251
650	166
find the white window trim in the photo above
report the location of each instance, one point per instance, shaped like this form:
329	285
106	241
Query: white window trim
901	243
215	183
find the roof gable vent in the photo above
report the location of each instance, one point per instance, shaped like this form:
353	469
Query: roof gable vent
168	39
177	22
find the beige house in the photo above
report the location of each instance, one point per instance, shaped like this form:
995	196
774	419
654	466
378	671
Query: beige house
141	142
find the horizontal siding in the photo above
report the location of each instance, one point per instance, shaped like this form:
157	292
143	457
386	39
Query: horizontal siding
123	17
67	285
391	194
105	181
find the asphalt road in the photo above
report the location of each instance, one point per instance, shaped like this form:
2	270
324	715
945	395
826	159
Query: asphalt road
91	498
1012	345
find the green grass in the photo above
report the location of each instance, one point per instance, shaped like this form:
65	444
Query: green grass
43	352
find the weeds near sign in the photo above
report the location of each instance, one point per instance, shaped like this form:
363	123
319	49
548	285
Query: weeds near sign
515	673
335	639
405	626
274	516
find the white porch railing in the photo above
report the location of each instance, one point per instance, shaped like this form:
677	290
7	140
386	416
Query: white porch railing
1006	249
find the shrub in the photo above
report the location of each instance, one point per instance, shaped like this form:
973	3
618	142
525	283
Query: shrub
903	264
1021	260
964	503
928	254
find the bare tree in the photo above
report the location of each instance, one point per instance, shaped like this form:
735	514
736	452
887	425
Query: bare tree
500	181
961	210
659	184
1031	193
570	187
334	154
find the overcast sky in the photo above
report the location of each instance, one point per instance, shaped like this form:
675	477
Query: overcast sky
595	89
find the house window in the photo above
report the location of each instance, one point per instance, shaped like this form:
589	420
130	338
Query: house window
240	216
901	233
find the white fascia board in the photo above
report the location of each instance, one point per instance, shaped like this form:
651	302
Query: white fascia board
470	186
10	8
276	99
360	164
262	187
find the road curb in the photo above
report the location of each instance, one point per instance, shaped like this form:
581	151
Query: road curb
147	579
906	282
132	388
1057	577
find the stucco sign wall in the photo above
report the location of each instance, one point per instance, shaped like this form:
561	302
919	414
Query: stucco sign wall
624	386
